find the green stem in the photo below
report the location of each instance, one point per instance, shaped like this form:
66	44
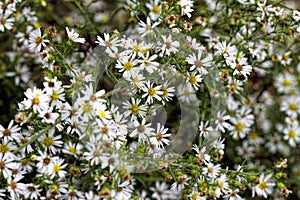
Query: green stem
33	139
86	16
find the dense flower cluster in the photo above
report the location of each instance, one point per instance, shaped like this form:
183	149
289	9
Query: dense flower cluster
189	100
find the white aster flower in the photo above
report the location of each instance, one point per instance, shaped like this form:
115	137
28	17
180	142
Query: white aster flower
186	7
264	186
36	40
72	35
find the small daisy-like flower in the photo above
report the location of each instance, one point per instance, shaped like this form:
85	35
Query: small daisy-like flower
239	128
221	123
108	42
6	21
296	15
181	182
72	149
198	63
137	80
32	191
222	187
48	116
10	133
246	150
86	109
72	35
134	108
57	96
73	194
292	135
211	170
168	46
36	99
159	138
6	165
152	92
205	129
51	142
126	65
194	79
285	58
285	83
291	106
110	161
102	112
160	191
142	131
124	190
186	93
201	155
227	51
21	73
241	68
186	7
264	186
43	161
93	153
56	168
15	188
147	62
36	40
196	195
155	9
146	28
168	92
233	195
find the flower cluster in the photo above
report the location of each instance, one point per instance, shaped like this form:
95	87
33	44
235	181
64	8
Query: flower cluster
174	100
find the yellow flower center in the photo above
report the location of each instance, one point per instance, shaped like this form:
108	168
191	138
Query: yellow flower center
72	149
135	79
293	106
36	100
136	48
128	66
193	80
165	92
38	40
155	9
135	109
239	127
221	185
48	141
285	57
102	114
286	83
210	170
263	185
87	108
202	183
103	19
56	168
253	136
4	148
54	95
195	196
292	134
151	91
